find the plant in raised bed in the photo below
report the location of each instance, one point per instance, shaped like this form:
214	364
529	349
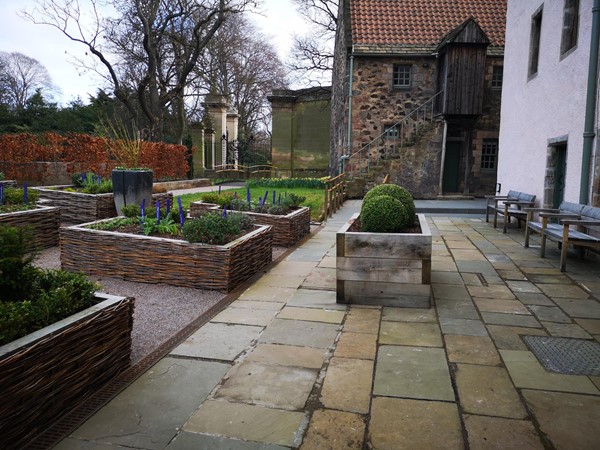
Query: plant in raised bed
383	255
32	298
17	199
90	183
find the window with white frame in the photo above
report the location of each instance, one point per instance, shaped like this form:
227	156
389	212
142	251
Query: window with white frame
402	77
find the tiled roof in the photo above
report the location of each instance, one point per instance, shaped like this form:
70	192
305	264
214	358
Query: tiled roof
382	24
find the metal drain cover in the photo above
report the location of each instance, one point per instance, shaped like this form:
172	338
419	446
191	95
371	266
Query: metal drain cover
565	355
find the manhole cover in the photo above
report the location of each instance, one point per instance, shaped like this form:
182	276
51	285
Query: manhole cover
566	356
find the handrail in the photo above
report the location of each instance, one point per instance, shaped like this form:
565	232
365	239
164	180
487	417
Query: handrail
335	194
412	115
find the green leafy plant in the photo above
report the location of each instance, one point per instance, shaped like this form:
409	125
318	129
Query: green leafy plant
1	176
153	226
14	200
88	183
31	298
383	214
289	183
398	192
221	199
114	224
293	200
213	228
131	210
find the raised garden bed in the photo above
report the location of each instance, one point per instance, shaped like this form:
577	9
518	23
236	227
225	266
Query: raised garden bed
48	372
176	262
287	229
45	221
389	269
77	207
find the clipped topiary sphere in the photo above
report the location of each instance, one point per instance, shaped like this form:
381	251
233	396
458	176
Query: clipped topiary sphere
399	193
383	214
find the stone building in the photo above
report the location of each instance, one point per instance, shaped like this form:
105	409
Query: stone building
416	93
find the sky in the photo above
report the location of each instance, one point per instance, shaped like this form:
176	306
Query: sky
55	51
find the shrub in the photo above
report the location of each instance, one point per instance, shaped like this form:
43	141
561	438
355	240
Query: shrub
131	210
16	255
293	200
213	228
287	183
398	192
88	183
383	214
221	199
14	196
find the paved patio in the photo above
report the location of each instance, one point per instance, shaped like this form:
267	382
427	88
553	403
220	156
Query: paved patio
284	366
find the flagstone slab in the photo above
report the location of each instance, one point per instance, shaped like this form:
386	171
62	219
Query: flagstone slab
148	413
328	262
557	291
518	320
511	274
409	315
568	330
462	244
218	341
288	355
522	286
321	278
569	421
509	338
347	385
253	304
487	390
501	306
248	422
404	424
498	433
554	278
482	267
193	441
363	320
587	309
357	346
494	292
312	314
311	298
471	350
306	254
467	255
534	299
443	264
527	373
276	280
300	333
592	326
410	333
266	293
271	385
456	308
245	316
472	279
334	430
412	372
549	314
446	278
465	327
450	291
293	268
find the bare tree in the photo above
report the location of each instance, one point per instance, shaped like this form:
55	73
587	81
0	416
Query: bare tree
146	51
20	78
242	64
312	54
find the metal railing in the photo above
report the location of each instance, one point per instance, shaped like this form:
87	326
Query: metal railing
394	137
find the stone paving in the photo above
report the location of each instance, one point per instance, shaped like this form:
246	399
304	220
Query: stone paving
284	366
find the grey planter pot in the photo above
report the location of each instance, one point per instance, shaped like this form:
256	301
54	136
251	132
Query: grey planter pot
130	187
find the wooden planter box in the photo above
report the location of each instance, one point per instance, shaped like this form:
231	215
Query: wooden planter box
287	230
45	221
151	259
389	269
77	207
48	372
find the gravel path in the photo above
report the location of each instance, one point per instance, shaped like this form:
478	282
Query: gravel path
161	311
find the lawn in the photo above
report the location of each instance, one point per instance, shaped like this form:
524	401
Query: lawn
314	198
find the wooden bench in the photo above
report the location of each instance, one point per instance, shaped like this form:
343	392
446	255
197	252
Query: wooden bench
508	206
568	215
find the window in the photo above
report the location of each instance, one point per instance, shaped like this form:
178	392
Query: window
497	76
489	154
391	132
570	26
402	76
534	44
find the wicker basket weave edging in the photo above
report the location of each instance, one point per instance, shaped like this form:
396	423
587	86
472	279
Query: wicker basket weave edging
45	221
287	230
150	259
48	372
78	207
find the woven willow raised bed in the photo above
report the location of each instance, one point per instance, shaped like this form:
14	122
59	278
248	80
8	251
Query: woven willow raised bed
46	373
176	262
77	207
389	269
287	230
44	220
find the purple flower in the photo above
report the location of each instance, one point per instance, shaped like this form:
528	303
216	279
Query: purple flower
224	214
248	196
260	201
266	197
24	192
83	177
157	212
273	197
143	209
279	199
1	192
168	206
99	180
181	216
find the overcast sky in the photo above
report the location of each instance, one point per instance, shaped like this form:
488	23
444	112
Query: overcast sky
52	49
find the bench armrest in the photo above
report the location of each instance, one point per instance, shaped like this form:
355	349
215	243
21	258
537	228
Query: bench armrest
586	222
542	210
561	215
518	203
